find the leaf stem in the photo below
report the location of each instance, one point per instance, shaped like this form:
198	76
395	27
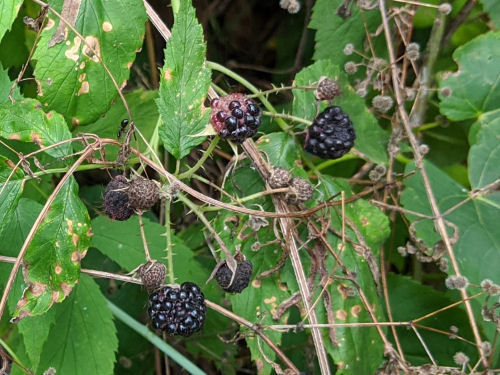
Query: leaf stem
287	117
201	161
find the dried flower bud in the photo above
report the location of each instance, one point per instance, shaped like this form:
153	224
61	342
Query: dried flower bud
350	67
382	103
446	92
381	169
374	175
292	6
348	49
490	287
486	348
460	359
423	148
456	282
445	8
361	92
413	51
402	251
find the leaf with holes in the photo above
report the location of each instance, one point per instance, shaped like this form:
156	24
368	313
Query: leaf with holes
184	84
24	120
53	258
70	78
371	140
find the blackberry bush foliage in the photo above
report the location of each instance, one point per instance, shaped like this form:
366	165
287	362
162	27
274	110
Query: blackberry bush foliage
238	168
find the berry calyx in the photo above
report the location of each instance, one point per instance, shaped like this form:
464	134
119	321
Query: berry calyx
116	200
178	310
240	280
331	135
235	117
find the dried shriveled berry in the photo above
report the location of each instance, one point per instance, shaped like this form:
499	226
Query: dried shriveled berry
116	200
241	278
178	310
301	192
152	274
143	193
331	135
235	117
327	89
279	178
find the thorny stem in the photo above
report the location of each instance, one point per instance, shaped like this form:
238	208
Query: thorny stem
439	221
143	236
426	75
279	89
169	249
287	117
201	161
36	225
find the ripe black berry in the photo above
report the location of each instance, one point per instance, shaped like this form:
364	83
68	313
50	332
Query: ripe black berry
235	117
143	193
116	200
331	135
241	278
178	310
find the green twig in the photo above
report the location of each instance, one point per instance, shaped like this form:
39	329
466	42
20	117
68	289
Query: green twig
287	117
201	161
142	330
170	250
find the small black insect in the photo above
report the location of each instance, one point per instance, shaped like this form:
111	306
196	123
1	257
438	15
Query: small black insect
123	126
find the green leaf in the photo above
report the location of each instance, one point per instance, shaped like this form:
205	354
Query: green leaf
411	300
24	120
142	105
279	148
478	246
71	79
475	87
84	339
334	32
184	84
8	10
484	157
492	7
5	85
10	191
53	257
360	350
371	140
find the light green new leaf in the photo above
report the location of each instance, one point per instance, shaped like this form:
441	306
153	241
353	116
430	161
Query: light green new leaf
71	79
10	192
53	257
484	157
475	87
84	339
8	13
184	84
371	139
334	32
478	246
24	120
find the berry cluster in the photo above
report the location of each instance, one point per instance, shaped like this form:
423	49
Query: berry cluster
178	310
331	135
122	197
235	117
241	277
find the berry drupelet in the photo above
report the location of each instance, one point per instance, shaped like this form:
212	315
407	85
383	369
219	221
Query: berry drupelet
331	135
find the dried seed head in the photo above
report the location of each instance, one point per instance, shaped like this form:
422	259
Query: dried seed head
456	282
348	49
301	192
279	178
350	67
116	199
361	92
490	287
413	51
423	148
143	193
292	6
445	8
381	169
402	251
486	348
152	274
374	175
382	103
327	89
460	358
443	264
